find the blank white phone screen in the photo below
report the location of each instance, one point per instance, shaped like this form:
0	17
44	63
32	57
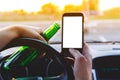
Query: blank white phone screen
72	32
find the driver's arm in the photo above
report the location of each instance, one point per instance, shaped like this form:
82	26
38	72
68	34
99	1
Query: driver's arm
11	32
82	67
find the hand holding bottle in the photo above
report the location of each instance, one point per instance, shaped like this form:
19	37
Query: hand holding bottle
9	33
25	54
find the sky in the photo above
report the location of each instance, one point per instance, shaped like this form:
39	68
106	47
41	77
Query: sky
35	5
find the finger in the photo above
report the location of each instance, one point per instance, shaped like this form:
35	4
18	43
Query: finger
85	49
32	34
69	60
87	52
39	30
75	53
41	38
38	34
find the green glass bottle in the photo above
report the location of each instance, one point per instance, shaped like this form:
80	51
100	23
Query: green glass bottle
26	54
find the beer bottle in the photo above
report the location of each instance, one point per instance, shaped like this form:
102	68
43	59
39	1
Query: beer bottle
26	54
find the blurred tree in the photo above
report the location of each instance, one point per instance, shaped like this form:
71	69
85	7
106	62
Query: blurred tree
85	8
112	13
20	12
49	8
93	5
85	4
72	8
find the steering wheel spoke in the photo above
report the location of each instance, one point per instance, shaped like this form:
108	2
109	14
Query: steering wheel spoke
28	72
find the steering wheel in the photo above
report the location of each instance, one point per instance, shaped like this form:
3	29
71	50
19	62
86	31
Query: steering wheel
55	69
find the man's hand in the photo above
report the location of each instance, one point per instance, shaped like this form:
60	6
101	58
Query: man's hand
11	32
82	63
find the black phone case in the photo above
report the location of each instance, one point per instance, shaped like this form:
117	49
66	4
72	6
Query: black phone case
65	51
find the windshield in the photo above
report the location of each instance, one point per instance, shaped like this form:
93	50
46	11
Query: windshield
102	17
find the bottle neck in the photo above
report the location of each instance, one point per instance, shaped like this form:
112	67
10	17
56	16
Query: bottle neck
44	37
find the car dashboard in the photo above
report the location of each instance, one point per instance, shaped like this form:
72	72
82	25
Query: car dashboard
105	57
106	60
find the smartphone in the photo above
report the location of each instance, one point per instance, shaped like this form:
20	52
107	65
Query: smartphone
72	31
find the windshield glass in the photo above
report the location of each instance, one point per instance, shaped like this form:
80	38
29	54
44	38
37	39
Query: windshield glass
102	17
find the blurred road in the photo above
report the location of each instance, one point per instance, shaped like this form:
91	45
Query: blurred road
102	30
97	30
42	24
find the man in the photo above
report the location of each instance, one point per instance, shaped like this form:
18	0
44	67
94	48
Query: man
82	63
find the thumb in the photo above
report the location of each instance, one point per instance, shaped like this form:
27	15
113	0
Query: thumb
69	60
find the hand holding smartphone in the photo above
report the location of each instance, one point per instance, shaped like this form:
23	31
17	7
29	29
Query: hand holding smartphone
72	32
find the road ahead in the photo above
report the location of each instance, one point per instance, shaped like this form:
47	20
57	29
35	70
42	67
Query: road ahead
42	24
97	30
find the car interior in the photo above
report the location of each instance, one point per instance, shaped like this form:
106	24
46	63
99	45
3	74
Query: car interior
101	33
